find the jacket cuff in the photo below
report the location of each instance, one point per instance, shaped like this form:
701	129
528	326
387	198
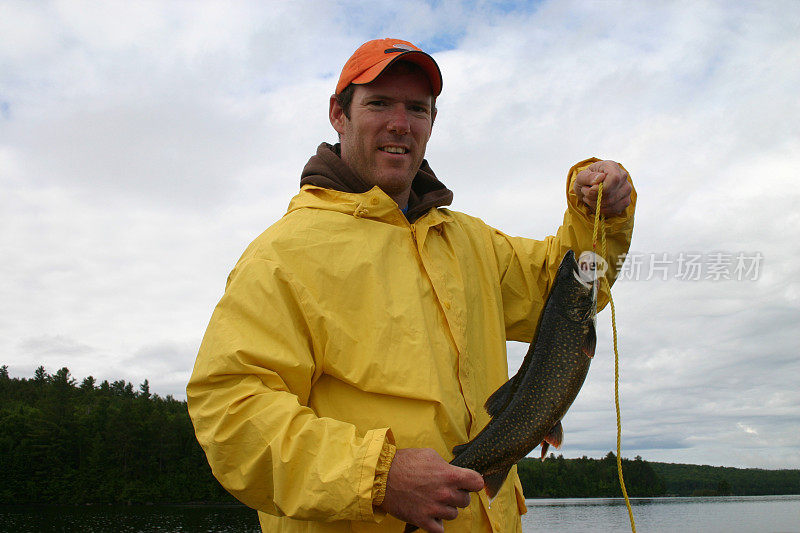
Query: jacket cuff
382	473
379	439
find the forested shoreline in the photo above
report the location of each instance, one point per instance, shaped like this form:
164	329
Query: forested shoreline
69	443
66	442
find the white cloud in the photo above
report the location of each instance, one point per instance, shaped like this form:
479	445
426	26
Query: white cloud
747	429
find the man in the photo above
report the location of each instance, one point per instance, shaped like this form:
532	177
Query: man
359	336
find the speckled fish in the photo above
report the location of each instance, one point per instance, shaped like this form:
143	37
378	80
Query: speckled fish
527	410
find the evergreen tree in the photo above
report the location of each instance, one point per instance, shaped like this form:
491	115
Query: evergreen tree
144	389
88	383
40	376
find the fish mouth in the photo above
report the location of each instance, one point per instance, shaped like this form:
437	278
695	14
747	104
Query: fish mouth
580	296
591	285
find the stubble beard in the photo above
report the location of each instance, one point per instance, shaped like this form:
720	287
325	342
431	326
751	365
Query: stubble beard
393	181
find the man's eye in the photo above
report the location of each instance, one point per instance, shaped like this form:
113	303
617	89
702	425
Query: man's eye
377	103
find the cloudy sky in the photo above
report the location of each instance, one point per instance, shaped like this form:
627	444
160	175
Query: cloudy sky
143	145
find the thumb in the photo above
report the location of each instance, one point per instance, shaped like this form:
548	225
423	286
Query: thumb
599	178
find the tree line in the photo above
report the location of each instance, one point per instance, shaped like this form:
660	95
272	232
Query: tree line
67	442
704	480
556	477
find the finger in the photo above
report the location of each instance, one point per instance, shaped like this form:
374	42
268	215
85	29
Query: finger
584	177
433	525
623	175
590	196
615	181
592	178
616	193
461	498
619	171
616	208
613	186
597	166
456	498
447	512
469	480
588	177
589	199
621	206
608	166
610	196
611	181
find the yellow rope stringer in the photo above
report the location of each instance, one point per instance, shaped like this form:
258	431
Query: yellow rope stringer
599	223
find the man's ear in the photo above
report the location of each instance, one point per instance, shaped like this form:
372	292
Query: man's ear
336	115
433	117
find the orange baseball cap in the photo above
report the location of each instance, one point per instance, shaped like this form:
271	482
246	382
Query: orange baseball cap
373	57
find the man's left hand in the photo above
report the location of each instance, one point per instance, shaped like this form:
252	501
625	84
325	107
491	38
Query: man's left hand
616	188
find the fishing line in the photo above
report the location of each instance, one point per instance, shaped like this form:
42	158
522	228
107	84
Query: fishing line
599	222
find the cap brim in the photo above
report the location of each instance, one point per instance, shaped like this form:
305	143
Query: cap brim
420	58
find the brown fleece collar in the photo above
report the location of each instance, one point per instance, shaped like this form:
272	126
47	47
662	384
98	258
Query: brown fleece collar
326	169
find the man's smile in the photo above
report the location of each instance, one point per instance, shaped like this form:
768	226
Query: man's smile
393	149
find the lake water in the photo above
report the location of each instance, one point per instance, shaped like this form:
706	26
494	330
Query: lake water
733	514
729	514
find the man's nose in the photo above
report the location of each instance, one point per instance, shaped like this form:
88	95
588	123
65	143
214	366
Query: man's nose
398	120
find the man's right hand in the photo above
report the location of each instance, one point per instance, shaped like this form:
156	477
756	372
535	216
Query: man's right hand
423	489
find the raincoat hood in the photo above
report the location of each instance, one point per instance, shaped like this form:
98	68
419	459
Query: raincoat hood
326	169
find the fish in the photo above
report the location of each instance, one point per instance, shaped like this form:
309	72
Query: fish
527	410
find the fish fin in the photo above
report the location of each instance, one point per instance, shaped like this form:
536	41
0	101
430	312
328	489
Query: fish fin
589	342
493	482
545	445
409	528
555	436
499	398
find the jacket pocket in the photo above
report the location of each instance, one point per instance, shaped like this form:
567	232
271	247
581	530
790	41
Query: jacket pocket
518	492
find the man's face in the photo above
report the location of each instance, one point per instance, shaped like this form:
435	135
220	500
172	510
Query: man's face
384	139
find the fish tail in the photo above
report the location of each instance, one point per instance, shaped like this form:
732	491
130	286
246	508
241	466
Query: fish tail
493	482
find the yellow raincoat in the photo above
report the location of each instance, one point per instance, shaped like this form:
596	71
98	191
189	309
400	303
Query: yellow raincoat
343	327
